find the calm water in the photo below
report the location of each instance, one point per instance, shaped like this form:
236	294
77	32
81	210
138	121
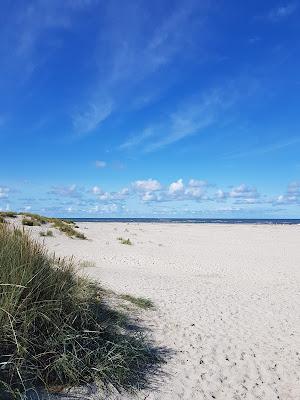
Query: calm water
193	220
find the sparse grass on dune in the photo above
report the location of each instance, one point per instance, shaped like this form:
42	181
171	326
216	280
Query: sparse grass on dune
138	301
65	226
125	241
47	233
56	328
67	229
30	222
8	214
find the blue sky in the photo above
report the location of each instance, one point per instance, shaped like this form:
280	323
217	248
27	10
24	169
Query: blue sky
154	109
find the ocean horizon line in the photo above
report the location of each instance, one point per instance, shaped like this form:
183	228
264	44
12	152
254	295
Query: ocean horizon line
271	221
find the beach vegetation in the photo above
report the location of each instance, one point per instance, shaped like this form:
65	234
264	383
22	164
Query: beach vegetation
30	222
35	217
87	264
30	219
47	233
57	328
138	301
67	228
125	241
8	214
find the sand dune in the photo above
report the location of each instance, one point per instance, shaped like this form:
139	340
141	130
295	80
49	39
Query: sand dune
227	302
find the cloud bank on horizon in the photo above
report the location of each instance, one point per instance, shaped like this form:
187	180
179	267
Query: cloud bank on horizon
162	108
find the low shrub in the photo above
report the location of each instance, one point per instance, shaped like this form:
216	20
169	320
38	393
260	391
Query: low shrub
30	222
47	233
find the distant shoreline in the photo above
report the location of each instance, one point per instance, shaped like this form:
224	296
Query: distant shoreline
226	221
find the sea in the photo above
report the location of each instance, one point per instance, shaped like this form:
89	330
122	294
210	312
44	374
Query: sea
264	221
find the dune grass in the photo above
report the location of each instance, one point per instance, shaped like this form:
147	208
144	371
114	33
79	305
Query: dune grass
47	233
8	214
125	241
30	222
56	328
138	301
65	226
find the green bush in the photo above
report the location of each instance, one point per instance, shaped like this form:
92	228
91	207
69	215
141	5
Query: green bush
47	233
30	222
56	328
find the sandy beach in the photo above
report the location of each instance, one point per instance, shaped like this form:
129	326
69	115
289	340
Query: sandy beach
226	302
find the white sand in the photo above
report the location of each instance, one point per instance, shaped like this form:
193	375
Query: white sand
227	302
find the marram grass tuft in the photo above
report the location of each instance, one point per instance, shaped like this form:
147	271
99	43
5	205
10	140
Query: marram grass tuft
56	329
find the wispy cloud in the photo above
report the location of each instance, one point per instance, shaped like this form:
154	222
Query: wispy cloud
88	120
131	50
100	164
29	25
191	117
262	150
282	12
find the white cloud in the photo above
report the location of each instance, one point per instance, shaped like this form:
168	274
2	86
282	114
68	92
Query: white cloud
96	190
176	190
194	192
109	196
176	187
243	192
221	195
105	209
149	185
66	191
292	195
4	191
100	164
